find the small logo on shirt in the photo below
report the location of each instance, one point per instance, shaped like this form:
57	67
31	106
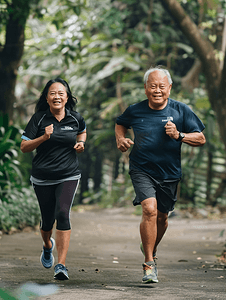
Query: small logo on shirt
66	128
168	119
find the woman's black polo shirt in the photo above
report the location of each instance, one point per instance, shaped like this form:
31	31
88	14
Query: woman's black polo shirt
55	158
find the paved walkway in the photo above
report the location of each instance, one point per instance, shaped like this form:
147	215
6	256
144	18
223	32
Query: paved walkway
104	260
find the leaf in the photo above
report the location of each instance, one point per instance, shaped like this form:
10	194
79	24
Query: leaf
185	47
222	233
7	135
5	147
32	289
6	296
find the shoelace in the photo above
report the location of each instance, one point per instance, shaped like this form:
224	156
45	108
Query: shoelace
146	267
47	253
62	267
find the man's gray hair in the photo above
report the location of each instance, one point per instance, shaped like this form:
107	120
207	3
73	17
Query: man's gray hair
166	72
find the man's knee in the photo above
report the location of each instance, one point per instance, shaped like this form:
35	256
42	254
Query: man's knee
149	208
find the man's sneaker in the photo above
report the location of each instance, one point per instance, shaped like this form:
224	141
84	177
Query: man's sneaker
154	254
60	272
47	258
150	273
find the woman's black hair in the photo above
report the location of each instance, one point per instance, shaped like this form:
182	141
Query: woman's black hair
42	104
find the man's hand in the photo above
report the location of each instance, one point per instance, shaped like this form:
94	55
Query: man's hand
124	144
171	130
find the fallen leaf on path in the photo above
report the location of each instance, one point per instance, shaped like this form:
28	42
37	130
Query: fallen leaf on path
182	260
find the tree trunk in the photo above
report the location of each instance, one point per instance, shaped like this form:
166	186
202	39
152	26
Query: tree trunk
85	163
209	176
11	54
97	178
191	79
219	191
215	80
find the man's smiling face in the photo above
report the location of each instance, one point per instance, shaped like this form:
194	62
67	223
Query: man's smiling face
157	90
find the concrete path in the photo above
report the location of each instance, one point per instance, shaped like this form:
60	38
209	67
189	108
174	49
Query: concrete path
104	259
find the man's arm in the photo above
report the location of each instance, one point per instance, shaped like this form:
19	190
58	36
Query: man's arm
194	139
123	143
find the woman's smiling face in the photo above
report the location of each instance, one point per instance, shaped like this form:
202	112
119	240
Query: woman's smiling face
57	97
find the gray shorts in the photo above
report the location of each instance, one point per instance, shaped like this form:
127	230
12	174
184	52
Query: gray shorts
146	186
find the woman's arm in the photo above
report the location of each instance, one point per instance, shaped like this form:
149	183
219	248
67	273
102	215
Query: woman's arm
80	145
30	145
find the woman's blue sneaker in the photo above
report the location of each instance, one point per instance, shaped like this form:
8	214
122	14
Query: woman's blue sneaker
60	272
47	258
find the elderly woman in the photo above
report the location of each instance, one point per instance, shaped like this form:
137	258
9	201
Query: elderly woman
58	133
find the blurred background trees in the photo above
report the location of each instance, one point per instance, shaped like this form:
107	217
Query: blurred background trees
102	48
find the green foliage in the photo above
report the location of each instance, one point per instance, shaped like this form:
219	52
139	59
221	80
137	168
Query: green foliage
119	192
10	175
20	210
102	48
16	9
28	291
5	295
18	205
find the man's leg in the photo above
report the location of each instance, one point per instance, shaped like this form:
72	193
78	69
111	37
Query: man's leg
162	224
148	227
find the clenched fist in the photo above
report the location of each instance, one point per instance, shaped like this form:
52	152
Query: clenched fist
171	130
124	144
48	131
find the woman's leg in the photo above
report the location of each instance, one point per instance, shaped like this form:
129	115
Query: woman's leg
47	203
65	193
62	244
46	235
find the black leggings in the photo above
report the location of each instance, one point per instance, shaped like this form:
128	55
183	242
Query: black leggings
55	203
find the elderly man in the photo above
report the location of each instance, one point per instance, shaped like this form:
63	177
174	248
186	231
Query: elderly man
160	125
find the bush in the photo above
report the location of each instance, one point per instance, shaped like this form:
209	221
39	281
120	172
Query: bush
18	205
20	210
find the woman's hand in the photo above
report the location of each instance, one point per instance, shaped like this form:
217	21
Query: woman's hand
79	147
48	132
30	145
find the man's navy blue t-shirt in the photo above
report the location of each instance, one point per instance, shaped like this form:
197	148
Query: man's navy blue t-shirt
154	151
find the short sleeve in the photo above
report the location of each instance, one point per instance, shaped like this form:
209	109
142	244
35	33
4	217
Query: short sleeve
82	124
191	123
31	129
125	119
